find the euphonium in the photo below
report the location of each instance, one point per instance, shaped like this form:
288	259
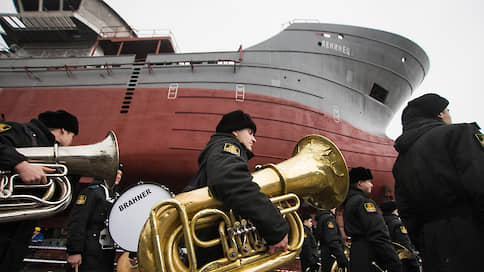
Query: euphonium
19	201
317	172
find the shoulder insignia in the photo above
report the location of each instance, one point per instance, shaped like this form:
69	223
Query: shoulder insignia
330	225
403	230
228	147
305	235
4	127
369	207
81	200
480	138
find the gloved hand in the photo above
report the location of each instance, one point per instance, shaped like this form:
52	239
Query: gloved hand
342	262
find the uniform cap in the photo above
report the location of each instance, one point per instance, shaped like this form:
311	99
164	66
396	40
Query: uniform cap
360	173
60	119
388	207
235	120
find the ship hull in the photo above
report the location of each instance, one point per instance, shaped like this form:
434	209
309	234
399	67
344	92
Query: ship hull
161	136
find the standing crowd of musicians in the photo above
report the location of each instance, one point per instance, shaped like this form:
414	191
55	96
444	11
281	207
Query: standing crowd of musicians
437	218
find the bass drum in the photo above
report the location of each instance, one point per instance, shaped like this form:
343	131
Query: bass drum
130	211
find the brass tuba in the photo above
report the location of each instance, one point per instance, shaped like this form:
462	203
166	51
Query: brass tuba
317	172
19	201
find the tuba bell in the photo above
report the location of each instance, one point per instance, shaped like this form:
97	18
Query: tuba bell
317	173
19	201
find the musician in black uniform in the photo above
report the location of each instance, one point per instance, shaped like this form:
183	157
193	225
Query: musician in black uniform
49	128
439	185
224	169
330	241
398	234
370	242
309	251
89	244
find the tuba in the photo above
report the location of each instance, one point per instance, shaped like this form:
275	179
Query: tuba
19	201
317	172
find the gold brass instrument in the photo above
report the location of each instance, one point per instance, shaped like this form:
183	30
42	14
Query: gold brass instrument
19	201
402	251
335	267
317	172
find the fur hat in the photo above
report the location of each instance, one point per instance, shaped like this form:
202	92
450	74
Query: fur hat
60	119
428	105
360	173
235	120
388	207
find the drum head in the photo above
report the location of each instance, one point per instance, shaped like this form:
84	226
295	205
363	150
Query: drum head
130	211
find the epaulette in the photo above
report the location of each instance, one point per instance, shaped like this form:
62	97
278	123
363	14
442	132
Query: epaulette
232	149
369	207
4	127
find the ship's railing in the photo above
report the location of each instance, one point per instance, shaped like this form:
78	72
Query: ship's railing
51	255
295	21
108	32
69	65
32	64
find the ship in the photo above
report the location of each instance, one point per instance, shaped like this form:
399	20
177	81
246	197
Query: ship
343	82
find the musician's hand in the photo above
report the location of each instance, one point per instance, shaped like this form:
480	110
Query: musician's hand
281	246
74	260
31	173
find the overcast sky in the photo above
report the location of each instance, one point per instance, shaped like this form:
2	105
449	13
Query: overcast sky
450	32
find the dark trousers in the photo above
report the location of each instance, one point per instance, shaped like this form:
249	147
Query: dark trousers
14	241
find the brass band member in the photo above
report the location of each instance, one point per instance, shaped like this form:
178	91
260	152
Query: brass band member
398	234
439	185
224	169
330	240
309	252
50	127
371	248
89	245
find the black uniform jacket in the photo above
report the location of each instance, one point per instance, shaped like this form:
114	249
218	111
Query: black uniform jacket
229	179
370	240
398	232
439	189
309	252
330	239
87	220
15	236
14	135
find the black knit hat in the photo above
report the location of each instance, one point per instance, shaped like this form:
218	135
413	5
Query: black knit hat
305	216
60	119
235	120
428	105
388	207
360	173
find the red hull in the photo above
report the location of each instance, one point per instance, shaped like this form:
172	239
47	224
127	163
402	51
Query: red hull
160	138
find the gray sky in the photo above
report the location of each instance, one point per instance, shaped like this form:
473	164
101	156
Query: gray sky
450	32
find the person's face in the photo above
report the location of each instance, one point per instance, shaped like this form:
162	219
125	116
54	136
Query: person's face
246	137
445	116
62	136
118	176
365	186
308	223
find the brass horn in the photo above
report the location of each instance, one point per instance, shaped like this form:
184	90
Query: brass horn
317	172
20	201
